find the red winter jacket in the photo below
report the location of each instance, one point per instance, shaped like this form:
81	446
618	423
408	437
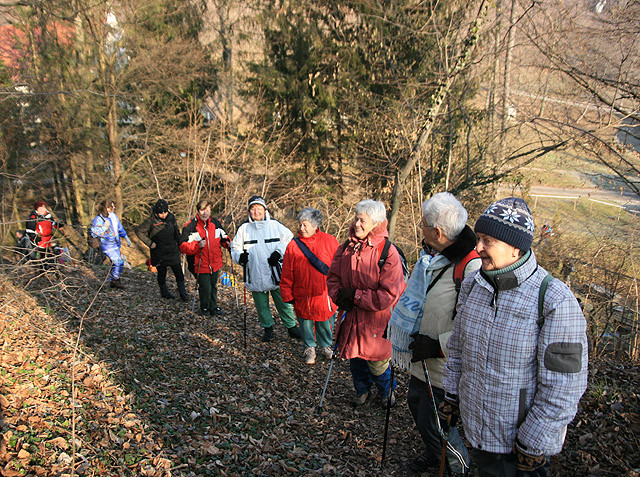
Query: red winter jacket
377	290
302	282
40	228
209	258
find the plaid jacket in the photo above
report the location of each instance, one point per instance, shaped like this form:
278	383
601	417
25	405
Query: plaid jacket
512	377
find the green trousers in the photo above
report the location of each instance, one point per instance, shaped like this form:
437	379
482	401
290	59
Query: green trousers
322	331
208	291
287	315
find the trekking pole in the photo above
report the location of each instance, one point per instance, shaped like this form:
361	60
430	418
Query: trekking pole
387	418
245	316
444	438
245	273
326	382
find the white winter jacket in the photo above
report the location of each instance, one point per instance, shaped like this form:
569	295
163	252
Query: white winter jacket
260	239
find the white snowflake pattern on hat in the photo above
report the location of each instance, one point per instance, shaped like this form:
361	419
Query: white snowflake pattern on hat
530	224
510	214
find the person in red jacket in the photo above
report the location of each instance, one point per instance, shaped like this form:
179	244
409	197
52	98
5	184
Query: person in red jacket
40	226
203	238
304	284
366	291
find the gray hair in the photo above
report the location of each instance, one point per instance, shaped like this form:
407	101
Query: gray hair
373	208
445	211
312	215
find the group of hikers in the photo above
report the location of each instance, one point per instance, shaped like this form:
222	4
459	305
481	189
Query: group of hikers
488	336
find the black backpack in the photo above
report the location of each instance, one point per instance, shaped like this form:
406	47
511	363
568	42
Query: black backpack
385	253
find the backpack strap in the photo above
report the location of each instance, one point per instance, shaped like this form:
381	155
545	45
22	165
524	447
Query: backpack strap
541	293
315	261
385	253
458	271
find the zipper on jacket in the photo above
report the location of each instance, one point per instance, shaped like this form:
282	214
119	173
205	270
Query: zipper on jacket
494	303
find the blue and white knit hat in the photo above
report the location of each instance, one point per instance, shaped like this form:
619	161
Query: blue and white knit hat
508	220
256	199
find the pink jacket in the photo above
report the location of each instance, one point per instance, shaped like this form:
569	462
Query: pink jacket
356	266
301	282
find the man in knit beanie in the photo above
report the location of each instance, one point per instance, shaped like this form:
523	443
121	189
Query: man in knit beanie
517	364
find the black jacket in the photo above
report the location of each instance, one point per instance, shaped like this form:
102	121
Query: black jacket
166	235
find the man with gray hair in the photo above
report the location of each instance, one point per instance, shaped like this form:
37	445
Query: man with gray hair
422	321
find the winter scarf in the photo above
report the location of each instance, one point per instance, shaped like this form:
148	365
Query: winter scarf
406	316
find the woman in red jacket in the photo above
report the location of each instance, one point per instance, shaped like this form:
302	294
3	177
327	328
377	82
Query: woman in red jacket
303	282
203	238
366	291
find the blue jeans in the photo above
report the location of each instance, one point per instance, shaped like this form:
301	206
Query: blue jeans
363	378
323	332
421	408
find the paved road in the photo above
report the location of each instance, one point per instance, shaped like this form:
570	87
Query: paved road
627	200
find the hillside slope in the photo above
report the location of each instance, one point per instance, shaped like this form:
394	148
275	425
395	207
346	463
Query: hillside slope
153	389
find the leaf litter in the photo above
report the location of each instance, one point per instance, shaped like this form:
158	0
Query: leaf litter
140	385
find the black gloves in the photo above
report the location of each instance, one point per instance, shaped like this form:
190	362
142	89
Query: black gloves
345	297
274	258
424	347
528	462
449	412
244	258
225	242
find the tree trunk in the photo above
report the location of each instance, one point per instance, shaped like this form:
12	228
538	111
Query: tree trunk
507	80
438	98
114	144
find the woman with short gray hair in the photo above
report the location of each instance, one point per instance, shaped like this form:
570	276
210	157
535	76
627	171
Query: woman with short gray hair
366	291
303	283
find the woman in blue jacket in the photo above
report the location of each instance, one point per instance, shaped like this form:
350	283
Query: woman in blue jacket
107	227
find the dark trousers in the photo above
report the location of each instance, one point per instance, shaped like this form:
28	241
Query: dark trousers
162	273
421	408
502	465
208	291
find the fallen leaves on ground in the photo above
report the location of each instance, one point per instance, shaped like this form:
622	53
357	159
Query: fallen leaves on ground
153	389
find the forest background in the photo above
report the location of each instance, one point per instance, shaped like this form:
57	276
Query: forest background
324	103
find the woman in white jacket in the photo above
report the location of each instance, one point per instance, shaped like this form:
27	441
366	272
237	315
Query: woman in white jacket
258	247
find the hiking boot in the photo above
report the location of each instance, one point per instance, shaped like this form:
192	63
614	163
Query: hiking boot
359	399
385	400
183	291
206	313
326	352
116	284
294	332
309	356
165	293
268	334
423	463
